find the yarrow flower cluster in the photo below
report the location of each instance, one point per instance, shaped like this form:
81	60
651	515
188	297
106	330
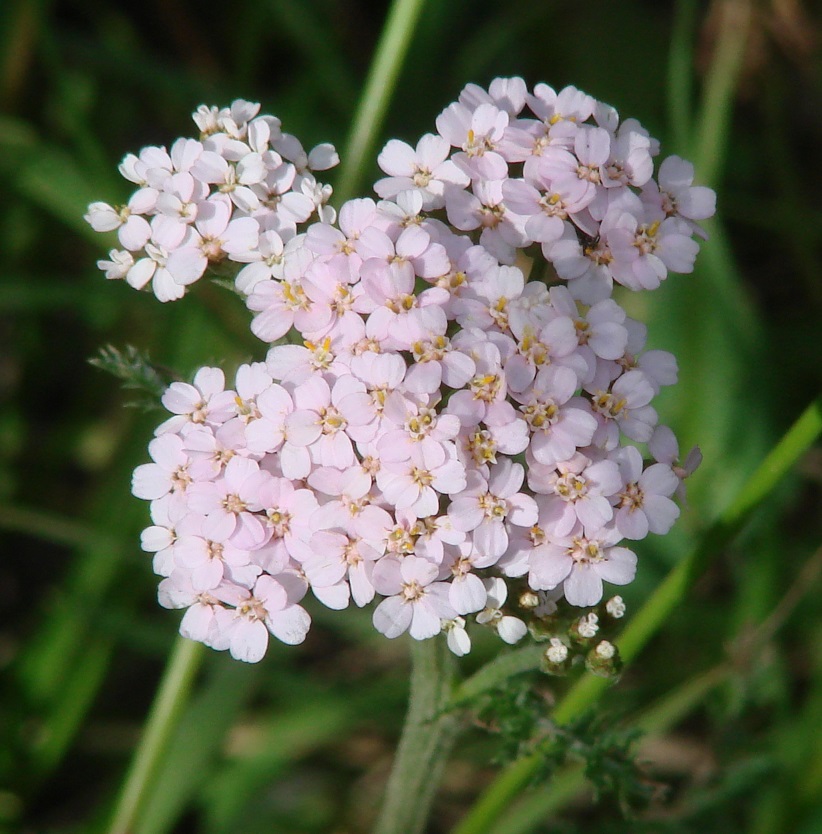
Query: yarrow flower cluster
237	192
453	403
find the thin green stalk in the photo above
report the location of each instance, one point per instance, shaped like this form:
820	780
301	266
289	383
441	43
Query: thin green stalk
649	619
172	696
379	87
680	74
713	127
77	694
498	671
50	527
429	732
535	808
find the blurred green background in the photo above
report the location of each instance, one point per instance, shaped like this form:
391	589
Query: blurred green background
303	741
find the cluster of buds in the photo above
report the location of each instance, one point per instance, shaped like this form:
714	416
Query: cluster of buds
445	407
571	638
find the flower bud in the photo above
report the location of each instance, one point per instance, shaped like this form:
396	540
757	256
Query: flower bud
603	660
556	660
528	600
584	629
615	607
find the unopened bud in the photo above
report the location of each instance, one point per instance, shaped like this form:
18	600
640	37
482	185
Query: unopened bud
605	650
603	660
556	659
585	628
615	607
528	599
557	652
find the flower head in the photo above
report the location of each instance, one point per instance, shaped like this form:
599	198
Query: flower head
443	410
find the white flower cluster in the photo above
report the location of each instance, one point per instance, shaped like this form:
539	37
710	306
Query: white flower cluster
243	184
438	425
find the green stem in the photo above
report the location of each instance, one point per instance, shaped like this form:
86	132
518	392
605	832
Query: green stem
534	809
171	697
498	671
680	74
648	620
382	79
711	135
429	732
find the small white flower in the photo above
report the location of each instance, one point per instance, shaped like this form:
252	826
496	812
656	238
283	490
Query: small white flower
118	265
456	636
510	629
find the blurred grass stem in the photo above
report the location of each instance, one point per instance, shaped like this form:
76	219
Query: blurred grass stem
649	619
49	527
17	44
680	74
379	87
713	127
171	698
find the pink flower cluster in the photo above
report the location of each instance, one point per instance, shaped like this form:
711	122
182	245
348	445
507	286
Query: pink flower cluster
560	170
243	184
429	426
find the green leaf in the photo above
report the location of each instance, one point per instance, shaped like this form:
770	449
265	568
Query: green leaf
195	745
48	176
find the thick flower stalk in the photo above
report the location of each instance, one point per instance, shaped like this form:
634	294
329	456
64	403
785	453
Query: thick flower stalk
451	412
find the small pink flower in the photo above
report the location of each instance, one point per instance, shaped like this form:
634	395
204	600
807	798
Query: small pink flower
559	423
676	194
484	508
270	608
425	170
416	483
478	133
230	504
578	492
209	562
625	406
415	601
645	503
341	565
205	402
168	475
581	564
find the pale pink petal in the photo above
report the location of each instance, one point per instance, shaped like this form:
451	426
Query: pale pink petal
290	625
619	568
425	622
392	617
583	586
248	640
